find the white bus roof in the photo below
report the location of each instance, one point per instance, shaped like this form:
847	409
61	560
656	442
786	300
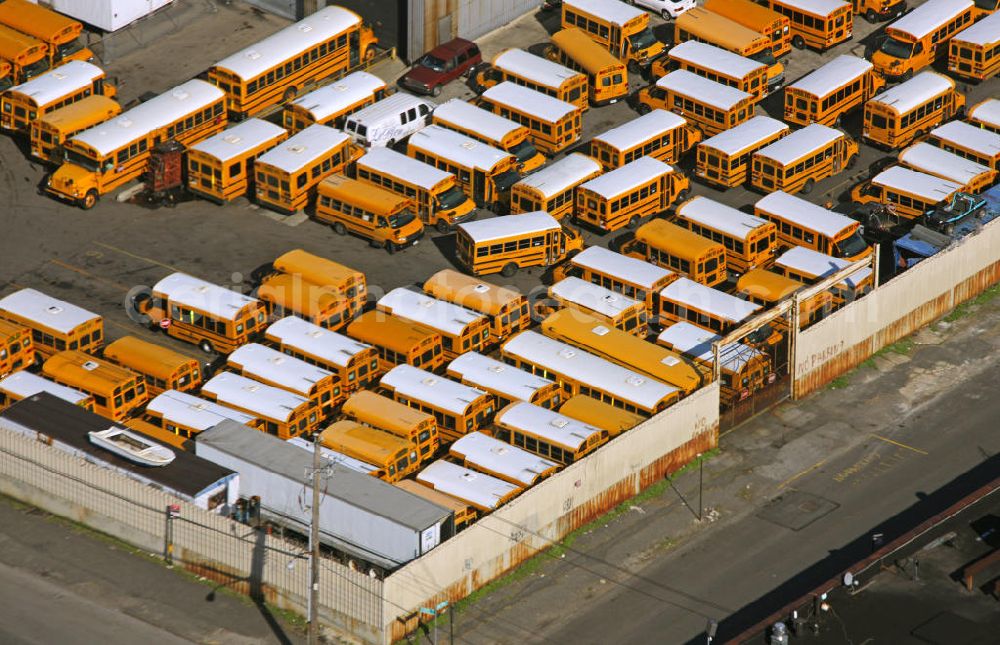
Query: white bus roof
920	184
819	264
335	457
24	384
636	271
711	301
988	111
422	309
592	296
530	101
584	367
695	342
388	161
504	226
183	289
239	139
262	362
492	375
324	344
472	117
805	213
267	401
560	175
551	426
702	90
155	113
438	391
615	182
302	149
534	68
55	314
929	16
483	452
472	487
611	10
714	58
457	147
912	93
194	412
984	32
717	215
744	135
339	95
832	76
818	7
799	143
59	82
640	129
969	136
941	163
289	42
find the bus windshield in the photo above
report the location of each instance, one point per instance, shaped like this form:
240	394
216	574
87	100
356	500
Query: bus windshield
643	39
81	160
401	219
507	179
36	68
523	151
764	57
988	5
70	48
851	246
451	198
6	83
896	48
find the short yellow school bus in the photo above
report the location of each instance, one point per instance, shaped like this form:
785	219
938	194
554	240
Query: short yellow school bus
671	247
492	129
607	77
185	415
506	383
626	195
398	341
355	364
385	219
716	64
536	73
986	115
610	308
974	52
510	242
164	369
329	104
750	241
60	33
713	310
284	413
118	392
796	162
21	106
600	414
622	274
26	56
973	177
220	168
767	22
969	142
809	267
377	411
55	325
724	160
710	106
461	330
50	132
920	37
547	433
552	188
465	514
554	124
506	309
658	134
766	288
287	294
909	193
819	24
828	93
902	113
482	453
802	223
349	283
392	455
622	30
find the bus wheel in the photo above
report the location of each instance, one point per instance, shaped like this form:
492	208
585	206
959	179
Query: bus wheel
441	226
289	94
808	186
508	270
798	42
870	16
89	200
339	228
390	247
852	161
206	346
633	223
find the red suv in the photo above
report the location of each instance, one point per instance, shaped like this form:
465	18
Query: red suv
441	65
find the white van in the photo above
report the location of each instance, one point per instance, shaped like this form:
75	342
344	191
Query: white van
668	9
390	120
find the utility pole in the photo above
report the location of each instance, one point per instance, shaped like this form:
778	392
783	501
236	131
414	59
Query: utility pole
701	483
314	547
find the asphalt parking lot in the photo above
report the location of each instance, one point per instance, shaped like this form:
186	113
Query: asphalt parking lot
94	258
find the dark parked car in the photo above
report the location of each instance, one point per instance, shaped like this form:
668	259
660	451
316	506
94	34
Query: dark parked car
441	65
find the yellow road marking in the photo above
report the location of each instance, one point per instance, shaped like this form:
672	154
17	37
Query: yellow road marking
136	256
82	271
901	445
800	474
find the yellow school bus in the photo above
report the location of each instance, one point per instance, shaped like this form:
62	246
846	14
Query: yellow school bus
17	350
819	24
909	193
671	247
185	415
461	330
607	77
393	456
506	383
622	30
986	115
750	241
969	142
971	176
920	37
628	276
710	106
626	195
506	309
284	413
536	73
385	219
464	514
809	267
766	288
23	384
377	411
600	414
548	434
107	156
708	308
398	341
220	168
50	132
554	125
492	129
802	223
162	368
974	52
828	93
330	104
118	393
23	105
716	64
59	32
658	134
493	457
26	56
899	115
552	188
287	294
349	283
796	162
767	22
55	325
610	308
355	364
329	42
510	242
724	160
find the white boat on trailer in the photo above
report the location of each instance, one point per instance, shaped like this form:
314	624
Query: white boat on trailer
132	446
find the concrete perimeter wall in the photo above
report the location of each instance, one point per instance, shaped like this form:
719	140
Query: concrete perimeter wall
919	296
552	509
